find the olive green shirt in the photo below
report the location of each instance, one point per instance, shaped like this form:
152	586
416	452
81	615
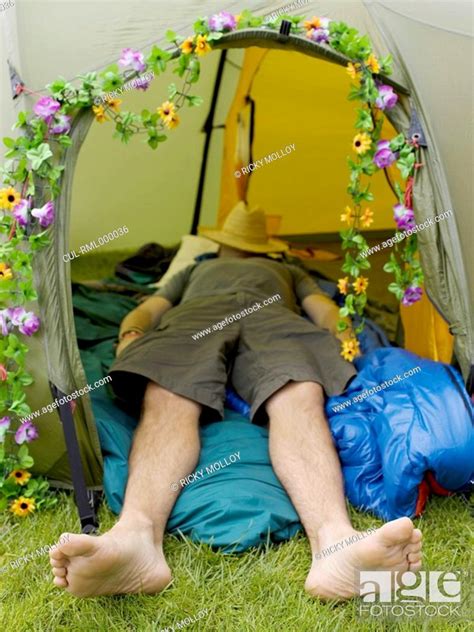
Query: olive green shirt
258	276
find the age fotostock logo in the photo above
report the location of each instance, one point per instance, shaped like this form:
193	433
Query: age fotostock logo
398	594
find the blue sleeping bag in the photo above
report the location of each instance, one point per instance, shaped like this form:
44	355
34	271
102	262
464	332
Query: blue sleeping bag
387	440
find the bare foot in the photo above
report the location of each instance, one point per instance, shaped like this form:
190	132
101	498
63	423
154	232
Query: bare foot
120	561
395	546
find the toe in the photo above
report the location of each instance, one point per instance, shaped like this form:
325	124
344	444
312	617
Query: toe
396	531
64	563
60	582
416	566
414	557
59	572
416	536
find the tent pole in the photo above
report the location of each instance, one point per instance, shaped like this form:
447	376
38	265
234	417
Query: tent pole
207	128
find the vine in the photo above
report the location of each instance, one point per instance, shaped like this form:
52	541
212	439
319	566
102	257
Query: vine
36	156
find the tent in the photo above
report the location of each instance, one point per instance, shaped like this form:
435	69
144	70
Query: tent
297	91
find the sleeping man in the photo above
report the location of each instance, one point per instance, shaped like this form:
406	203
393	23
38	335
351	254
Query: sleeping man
282	364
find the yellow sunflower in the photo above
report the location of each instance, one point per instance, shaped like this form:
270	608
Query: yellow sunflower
353	70
343	285
166	110
9	198
361	143
348	215
114	104
20	476
172	121
5	272
350	349
99	112
367	218
202	47
373	63
314	23
187	46
22	506
360	285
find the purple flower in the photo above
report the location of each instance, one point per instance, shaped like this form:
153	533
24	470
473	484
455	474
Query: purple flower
27	322
319	35
4	425
45	214
46	108
384	156
26	432
222	21
4	321
411	295
20	213
404	217
61	124
132	58
387	98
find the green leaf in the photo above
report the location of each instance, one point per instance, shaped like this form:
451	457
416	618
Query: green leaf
194	101
39	155
9	142
171	36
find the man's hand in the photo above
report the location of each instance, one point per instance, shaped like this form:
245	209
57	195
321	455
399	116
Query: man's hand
123	344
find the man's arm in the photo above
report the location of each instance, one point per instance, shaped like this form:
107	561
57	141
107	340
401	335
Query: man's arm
325	313
141	319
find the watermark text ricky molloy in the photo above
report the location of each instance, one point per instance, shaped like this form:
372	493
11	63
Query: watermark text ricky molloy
293	6
230	319
375	389
6	5
138	82
104	239
24	559
266	160
67	398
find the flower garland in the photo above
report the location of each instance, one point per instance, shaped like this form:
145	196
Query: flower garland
38	156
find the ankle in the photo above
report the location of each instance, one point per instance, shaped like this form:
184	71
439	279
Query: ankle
333	532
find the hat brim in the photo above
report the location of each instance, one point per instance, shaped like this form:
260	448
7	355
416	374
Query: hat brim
272	245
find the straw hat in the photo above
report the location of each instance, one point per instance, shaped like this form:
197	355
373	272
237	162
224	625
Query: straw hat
245	229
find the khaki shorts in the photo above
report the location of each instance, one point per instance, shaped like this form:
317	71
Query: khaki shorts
257	354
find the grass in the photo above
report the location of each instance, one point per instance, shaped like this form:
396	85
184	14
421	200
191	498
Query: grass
261	590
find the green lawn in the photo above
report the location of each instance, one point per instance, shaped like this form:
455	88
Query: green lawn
260	590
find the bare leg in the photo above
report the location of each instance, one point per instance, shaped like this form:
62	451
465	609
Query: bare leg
306	462
129	558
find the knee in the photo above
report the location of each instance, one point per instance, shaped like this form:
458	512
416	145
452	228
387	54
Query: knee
296	395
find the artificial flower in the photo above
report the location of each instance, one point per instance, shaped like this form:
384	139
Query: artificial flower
4	425
384	156
166	110
353	70
361	143
3	373
222	21
20	213
367	218
172	121
373	64
60	125
318	35
22	506
343	285
316	23
46	108
403	216
99	112
27	432
5	272
386	98
114	104
350	349
9	198
187	46
20	476
27	322
45	214
411	295
360	284
4	321
143	84
202	47
132	59
348	215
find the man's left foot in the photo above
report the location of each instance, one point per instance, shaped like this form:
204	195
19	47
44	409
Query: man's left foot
396	547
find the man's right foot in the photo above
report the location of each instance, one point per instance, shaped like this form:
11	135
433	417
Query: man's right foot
121	561
396	546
